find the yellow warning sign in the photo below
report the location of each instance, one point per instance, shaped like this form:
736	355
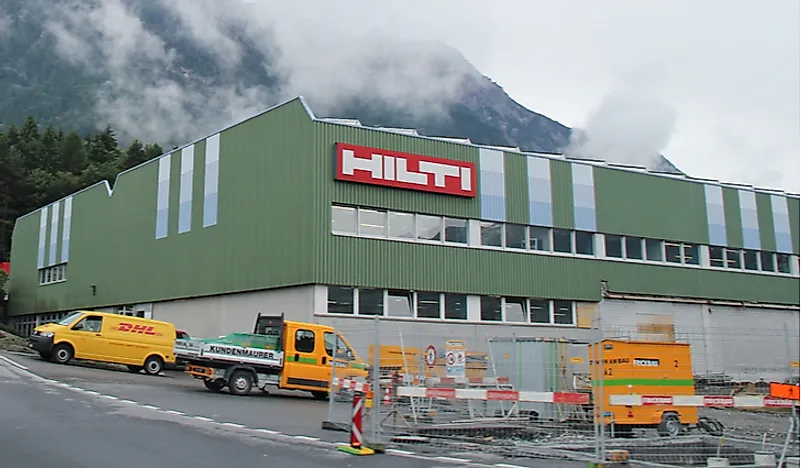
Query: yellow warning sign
794	364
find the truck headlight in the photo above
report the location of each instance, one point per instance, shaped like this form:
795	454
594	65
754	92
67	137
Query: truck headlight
46	334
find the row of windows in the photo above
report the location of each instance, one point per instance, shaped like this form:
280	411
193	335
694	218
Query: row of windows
370	222
448	306
53	274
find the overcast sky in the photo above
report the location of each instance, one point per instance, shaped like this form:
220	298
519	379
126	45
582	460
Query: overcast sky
729	69
713	84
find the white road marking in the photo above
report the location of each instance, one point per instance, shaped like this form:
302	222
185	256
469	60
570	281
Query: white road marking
13	363
266	431
399	452
504	465
151	407
130	402
451	459
203	418
228	424
109	397
303	437
174	412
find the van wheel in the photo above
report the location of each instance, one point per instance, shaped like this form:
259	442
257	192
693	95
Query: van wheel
62	353
240	383
318	395
154	365
214	385
670	426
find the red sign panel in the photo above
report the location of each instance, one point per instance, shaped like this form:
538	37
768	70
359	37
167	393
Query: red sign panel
141	329
721	401
656	400
387	168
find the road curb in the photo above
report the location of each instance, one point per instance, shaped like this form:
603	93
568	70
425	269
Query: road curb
262	432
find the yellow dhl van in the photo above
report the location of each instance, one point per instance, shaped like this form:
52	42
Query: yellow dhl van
282	353
136	342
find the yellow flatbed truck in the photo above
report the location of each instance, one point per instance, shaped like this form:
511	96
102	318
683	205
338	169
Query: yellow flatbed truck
647	368
281	353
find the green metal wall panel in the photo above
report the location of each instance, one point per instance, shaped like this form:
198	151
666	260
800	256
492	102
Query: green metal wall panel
352	261
260	240
516	185
644	205
734	222
793	206
765	217
562	194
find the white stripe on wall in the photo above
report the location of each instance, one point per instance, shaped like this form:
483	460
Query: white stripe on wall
185	191
540	206
211	180
40	258
715	216
163	197
750	220
781	224
65	235
53	233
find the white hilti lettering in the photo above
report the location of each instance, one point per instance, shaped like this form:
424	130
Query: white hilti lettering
467	181
350	163
407	176
389	168
439	171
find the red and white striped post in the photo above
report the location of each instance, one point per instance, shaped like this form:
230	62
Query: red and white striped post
356	437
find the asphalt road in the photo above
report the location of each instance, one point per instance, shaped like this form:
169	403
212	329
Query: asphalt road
43	425
171	415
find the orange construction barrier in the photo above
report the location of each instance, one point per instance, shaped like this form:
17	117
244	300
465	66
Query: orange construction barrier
784	390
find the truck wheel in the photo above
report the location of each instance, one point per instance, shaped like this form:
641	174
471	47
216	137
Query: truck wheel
670	425
214	385
62	353
240	383
319	395
153	365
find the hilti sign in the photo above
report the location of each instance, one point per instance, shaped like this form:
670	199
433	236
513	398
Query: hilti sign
404	170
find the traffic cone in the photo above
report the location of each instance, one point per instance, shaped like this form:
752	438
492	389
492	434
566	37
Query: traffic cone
386	396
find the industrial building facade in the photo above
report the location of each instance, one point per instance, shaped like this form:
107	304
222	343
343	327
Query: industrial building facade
330	221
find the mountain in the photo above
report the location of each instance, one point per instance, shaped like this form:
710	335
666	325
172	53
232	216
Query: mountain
144	68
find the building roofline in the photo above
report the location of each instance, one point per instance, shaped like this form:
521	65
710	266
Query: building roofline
407	132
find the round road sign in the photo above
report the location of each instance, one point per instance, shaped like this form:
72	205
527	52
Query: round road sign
431	355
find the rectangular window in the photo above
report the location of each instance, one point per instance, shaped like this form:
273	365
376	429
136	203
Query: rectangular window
491	309
750	260
562	241
428	305
514	309
783	262
562	313
343	219
491	234
304	341
429	228
400	304
539	311
614	246
516	236
653	250
401	225
767	261
733	259
585	243
372	222
691	256
371	302
456	230
455	306
634	248
673	252
716	257
539	238
340	300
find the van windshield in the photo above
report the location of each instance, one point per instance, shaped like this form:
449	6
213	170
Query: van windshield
69	319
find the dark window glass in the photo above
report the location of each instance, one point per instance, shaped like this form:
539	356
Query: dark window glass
691	256
634	248
455	306
491	309
562	241
340	300
767	261
539	238
614	246
516	236
491	234
371	302
456	230
653	250
428	305
716	257
733	259
539	311
673	252
563	312
585	243
304	341
750	260
783	262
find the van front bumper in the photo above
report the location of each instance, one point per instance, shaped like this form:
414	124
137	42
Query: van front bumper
42	344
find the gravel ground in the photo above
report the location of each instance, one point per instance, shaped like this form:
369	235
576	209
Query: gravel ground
11	342
752	425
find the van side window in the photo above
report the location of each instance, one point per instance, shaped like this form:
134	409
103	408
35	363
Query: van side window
91	323
304	341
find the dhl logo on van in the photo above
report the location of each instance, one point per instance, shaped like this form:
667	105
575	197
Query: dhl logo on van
126	327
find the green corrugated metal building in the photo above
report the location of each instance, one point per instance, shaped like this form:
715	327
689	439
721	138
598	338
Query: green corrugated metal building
324	218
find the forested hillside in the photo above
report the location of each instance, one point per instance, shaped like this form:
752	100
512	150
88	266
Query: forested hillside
39	165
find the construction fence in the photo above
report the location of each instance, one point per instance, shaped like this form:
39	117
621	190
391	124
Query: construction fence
651	395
